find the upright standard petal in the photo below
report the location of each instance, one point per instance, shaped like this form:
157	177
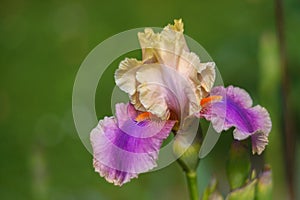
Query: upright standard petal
166	46
125	78
127	145
168	49
125	75
232	107
163	90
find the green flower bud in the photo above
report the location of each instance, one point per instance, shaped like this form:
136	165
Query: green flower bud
188	152
238	164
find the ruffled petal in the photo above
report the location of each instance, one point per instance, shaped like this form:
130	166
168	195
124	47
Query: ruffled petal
124	147
206	76
240	96
166	46
234	110
125	75
168	49
259	142
260	138
164	90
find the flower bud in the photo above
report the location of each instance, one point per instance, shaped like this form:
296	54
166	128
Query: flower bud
238	164
188	152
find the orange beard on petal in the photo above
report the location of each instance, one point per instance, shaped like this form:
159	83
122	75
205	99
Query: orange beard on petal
143	116
210	99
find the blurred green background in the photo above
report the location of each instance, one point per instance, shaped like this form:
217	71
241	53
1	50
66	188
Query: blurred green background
42	44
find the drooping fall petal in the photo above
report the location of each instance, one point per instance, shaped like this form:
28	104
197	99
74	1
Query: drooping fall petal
235	109
124	147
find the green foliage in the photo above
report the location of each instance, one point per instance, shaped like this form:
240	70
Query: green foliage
255	188
211	192
264	187
269	73
246	192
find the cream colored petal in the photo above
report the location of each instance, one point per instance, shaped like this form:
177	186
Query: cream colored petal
167	69
153	94
135	100
190	65
125	75
170	48
166	46
163	89
201	75
207	75
153	98
148	41
125	78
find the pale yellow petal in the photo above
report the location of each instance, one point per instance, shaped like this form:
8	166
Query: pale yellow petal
163	89
178	25
153	99
166	46
207	75
125	75
150	84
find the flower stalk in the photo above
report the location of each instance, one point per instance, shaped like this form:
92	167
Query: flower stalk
191	178
189	159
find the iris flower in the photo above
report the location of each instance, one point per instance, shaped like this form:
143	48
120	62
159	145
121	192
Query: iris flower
168	88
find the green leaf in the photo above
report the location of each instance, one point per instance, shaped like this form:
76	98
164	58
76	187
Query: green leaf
211	192
264	185
246	192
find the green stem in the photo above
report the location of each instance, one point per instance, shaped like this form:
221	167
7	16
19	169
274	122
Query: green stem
191	178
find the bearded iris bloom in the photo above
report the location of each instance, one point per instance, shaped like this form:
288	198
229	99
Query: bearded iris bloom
167	89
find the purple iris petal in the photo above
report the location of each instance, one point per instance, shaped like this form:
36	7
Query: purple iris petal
123	147
235	110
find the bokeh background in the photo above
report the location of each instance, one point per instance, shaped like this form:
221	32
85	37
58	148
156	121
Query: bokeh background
43	43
